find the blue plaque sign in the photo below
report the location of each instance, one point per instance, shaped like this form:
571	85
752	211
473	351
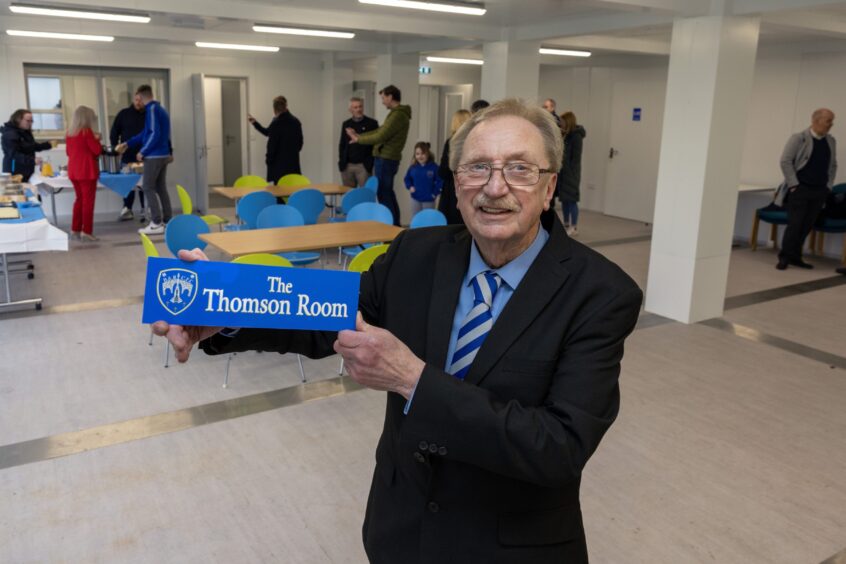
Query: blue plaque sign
244	295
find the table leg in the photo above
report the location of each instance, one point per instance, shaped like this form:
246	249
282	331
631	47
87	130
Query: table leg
8	302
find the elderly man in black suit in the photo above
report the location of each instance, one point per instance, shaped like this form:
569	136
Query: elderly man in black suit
501	373
284	141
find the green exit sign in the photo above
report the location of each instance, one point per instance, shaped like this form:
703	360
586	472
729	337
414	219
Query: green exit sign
425	70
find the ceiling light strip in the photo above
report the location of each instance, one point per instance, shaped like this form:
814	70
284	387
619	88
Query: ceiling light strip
563	52
51	35
237	47
466	9
456	61
81	14
307	32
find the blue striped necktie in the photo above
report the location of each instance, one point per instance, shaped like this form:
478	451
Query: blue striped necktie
476	325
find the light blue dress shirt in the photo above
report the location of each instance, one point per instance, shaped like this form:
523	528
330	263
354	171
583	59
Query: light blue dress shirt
511	273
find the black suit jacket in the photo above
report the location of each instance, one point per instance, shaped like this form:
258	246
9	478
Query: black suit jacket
355	153
284	143
487	469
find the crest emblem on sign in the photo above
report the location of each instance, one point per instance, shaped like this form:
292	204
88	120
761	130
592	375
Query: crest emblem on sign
176	289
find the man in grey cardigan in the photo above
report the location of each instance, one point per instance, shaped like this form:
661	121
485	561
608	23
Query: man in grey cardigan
809	164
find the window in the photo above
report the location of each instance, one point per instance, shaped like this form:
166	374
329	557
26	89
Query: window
53	93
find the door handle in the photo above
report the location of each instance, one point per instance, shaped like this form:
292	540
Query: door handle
613	153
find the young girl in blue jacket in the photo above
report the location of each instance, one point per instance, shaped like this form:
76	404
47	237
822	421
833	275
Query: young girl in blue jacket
422	179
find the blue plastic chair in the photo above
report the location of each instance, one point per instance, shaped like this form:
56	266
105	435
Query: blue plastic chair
352	198
772	214
310	202
829	225
427	218
367	211
249	207
282	215
182	232
372	184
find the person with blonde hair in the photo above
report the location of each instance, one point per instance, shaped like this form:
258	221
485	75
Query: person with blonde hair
448	204
83	148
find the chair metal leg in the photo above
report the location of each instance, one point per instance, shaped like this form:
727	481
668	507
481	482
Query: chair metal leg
753	240
150	343
226	375
774	235
302	372
167	353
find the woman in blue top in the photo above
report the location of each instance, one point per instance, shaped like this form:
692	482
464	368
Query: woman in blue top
422	179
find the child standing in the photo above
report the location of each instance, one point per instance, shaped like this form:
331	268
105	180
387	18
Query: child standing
422	179
83	148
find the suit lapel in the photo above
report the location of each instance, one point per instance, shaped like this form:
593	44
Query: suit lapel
450	267
540	284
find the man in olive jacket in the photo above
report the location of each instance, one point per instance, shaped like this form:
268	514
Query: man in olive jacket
388	142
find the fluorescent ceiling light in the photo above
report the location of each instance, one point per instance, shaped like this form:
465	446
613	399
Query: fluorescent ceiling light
237	47
82	14
298	31
453	60
564	52
467	9
51	35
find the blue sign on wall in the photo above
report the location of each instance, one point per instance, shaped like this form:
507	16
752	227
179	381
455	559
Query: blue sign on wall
222	294
636	114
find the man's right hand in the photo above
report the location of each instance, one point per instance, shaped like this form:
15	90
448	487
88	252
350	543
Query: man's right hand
184	337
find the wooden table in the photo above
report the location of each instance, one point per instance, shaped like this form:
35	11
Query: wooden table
279	191
303	238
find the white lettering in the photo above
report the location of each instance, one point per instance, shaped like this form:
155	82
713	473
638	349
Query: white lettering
316	309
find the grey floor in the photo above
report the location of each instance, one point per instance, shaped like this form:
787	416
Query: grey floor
728	448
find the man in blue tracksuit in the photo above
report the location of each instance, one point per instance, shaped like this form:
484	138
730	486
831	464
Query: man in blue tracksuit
153	146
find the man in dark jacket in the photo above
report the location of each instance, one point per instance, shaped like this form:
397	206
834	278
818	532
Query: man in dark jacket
501	373
355	161
284	141
128	123
19	146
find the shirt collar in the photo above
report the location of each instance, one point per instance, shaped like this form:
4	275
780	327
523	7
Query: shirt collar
512	272
814	134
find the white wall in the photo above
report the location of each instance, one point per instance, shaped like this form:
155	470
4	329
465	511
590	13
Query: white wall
298	76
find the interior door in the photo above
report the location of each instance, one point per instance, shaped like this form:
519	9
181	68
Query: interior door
213	100
199	192
637	112
453	101
428	115
232	130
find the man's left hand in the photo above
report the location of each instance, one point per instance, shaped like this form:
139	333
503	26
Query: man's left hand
352	135
375	358
140	157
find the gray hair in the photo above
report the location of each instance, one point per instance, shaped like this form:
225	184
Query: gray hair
357	99
540	118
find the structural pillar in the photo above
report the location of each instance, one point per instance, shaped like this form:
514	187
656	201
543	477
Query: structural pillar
712	62
512	68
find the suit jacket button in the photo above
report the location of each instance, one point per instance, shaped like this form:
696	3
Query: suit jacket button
433	507
419	457
442	451
423	445
433	448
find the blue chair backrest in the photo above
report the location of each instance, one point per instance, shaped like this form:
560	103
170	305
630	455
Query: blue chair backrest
354	197
279	215
839	188
309	202
182	232
428	218
251	205
372	184
371	211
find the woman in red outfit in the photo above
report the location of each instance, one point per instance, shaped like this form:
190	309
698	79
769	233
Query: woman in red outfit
83	147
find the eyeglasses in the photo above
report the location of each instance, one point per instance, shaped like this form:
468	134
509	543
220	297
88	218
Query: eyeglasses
515	174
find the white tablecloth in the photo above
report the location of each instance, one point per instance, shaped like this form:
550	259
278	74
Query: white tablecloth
32	237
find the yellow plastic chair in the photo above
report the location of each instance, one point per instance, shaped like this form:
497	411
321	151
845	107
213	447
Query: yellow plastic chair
188	209
363	260
362	263
263	259
250	181
295	180
150	250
